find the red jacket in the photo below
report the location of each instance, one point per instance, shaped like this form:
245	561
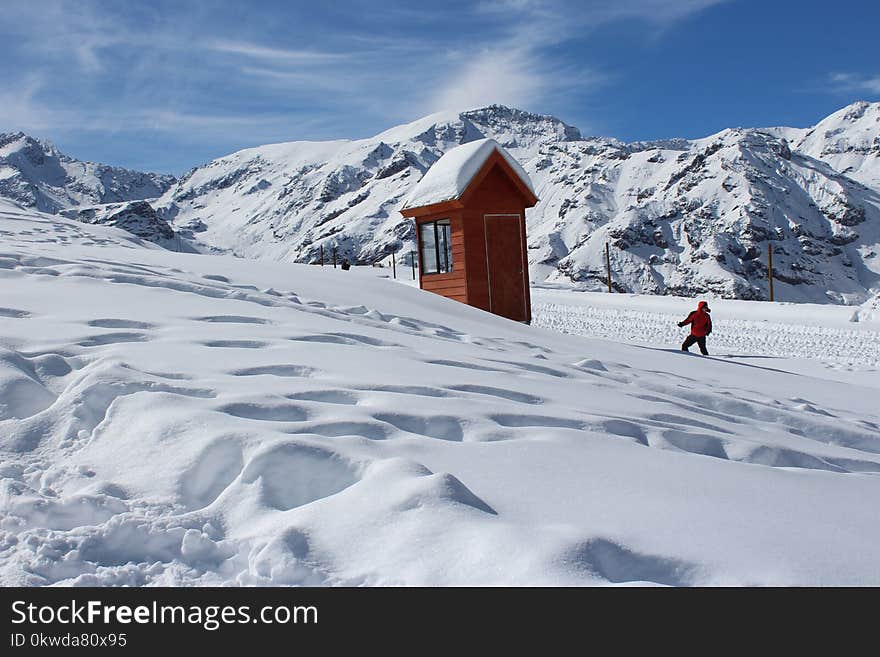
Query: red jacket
700	321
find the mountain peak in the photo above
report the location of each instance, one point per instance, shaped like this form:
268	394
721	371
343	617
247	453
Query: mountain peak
858	109
501	119
848	140
38	175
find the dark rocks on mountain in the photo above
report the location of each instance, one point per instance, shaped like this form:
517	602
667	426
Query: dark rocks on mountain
851	216
137	217
401	162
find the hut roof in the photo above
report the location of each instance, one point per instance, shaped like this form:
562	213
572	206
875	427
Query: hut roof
449	177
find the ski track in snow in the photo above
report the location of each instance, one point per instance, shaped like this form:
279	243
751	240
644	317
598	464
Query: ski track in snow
178	419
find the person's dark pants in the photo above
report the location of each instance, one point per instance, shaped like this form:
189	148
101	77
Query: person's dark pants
691	339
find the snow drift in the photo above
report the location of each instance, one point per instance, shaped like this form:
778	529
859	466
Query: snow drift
180	419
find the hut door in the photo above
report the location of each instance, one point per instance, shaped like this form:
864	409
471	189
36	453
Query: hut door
504	261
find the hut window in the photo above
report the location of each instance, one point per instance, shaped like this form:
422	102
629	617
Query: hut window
435	238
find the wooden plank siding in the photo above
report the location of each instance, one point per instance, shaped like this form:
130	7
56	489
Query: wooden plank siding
495	195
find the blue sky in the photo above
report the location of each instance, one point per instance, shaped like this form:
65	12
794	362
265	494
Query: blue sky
168	85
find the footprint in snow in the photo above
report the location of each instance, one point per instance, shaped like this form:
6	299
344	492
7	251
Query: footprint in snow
14	313
112	338
120	324
235	344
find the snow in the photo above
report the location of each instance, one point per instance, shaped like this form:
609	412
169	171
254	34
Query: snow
449	177
838	336
179	419
848	140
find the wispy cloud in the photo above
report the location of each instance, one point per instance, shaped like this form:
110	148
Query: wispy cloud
22	109
76	33
506	76
276	55
217	71
849	82
515	67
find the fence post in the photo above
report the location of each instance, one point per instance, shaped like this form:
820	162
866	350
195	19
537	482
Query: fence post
608	265
770	268
322	255
393	266
334	257
412	257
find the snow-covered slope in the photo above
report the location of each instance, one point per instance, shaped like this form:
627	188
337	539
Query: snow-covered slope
834	337
35	174
169	418
285	201
848	140
700	219
682	217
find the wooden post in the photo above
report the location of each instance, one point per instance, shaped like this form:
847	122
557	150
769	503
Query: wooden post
334	257
412	257
393	266
608	265
322	255
770	268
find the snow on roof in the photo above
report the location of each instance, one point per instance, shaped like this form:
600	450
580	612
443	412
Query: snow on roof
449	176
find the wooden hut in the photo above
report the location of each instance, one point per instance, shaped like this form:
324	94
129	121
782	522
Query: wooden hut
469	210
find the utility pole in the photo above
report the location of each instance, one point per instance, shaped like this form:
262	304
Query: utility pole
608	265
770	268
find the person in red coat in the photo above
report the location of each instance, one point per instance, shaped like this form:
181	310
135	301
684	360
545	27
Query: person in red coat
701	326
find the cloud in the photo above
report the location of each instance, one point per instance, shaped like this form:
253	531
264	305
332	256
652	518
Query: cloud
275	55
68	32
493	76
577	15
20	109
654	11
516	67
223	74
849	82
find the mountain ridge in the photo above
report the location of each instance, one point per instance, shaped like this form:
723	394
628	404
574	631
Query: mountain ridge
36	174
683	216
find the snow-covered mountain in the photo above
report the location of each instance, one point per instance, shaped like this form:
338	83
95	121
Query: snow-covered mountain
285	201
848	140
35	174
682	216
699	216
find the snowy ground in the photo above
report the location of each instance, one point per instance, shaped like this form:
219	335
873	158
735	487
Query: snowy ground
179	419
843	337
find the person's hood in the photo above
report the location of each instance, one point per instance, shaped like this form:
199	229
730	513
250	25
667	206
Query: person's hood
703	306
